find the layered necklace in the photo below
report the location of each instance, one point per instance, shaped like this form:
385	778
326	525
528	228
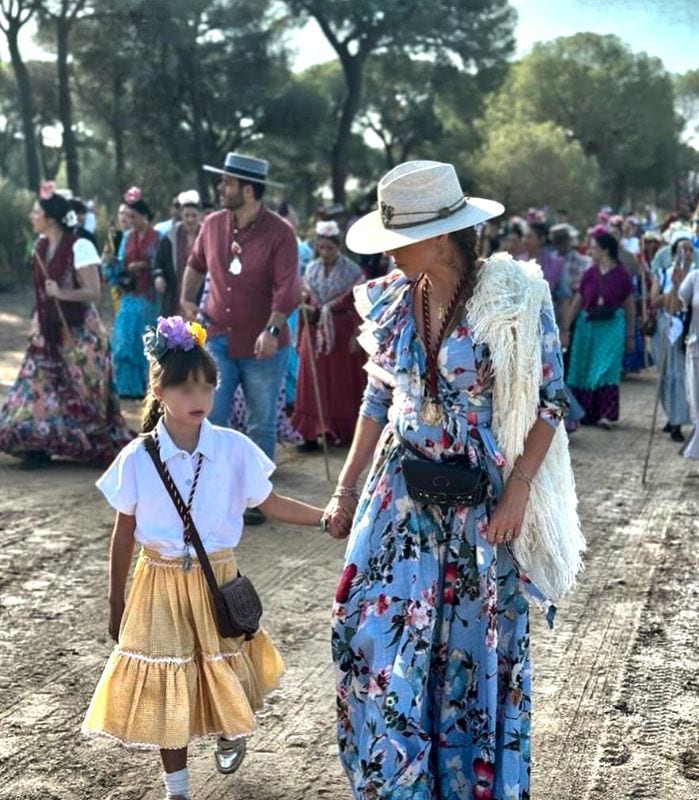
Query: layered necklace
432	411
237	241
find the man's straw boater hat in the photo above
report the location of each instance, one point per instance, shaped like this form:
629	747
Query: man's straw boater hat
418	200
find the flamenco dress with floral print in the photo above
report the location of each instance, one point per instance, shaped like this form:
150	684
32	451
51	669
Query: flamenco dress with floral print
430	625
63	401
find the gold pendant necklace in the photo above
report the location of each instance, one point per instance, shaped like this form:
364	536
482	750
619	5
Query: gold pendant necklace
431	412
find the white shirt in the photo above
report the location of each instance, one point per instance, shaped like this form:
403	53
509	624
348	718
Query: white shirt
84	254
234	476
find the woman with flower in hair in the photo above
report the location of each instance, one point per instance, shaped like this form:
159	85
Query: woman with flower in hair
139	303
173	677
62	402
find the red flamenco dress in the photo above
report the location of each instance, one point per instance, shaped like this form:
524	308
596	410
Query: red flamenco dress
331	340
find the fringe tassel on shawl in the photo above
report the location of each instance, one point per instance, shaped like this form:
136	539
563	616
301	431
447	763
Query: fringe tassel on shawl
504	315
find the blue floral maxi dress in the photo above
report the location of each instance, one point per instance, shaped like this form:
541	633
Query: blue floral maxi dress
430	623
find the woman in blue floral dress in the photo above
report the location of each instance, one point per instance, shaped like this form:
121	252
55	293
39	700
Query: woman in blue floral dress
430	626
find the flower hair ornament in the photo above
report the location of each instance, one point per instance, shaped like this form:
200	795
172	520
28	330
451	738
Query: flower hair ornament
132	195
47	189
172	333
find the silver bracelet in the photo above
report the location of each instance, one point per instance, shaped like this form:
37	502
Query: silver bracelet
345	491
518	474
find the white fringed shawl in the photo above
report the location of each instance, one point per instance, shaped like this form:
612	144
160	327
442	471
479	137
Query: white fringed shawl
504	314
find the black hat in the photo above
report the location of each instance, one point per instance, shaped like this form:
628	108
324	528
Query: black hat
247	168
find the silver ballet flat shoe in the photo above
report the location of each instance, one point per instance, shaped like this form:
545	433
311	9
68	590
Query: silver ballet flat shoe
229	755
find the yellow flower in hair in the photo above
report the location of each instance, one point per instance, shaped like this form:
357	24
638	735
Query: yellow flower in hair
198	333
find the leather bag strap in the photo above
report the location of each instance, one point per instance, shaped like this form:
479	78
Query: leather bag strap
181	506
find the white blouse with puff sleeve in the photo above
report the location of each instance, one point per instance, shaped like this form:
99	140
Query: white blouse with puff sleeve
234	476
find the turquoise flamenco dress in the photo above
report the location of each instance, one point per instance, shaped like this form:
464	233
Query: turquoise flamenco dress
430	631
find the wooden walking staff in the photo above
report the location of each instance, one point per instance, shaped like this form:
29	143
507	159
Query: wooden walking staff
661	370
316	386
69	340
644	313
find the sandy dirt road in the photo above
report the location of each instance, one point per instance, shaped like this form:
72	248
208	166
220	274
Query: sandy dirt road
616	683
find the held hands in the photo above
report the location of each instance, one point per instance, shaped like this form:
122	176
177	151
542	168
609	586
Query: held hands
339	514
266	346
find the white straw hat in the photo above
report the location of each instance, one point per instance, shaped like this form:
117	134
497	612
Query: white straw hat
418	200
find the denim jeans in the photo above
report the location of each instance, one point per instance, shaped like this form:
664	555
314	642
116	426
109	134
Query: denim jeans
261	382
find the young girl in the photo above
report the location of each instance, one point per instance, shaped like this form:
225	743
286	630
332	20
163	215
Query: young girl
171	678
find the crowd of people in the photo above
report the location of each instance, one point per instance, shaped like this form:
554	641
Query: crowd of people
451	363
623	297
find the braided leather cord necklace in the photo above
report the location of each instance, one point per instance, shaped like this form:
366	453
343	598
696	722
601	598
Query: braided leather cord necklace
186	557
432	412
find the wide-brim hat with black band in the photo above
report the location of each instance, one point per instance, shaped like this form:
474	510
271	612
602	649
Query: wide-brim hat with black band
247	168
418	200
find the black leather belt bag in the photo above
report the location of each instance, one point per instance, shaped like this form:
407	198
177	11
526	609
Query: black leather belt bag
444	483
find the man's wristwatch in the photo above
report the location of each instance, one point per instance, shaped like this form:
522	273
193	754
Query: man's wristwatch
274	330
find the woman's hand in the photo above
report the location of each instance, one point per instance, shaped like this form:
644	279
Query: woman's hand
564	337
160	284
506	521
116	612
53	289
630	344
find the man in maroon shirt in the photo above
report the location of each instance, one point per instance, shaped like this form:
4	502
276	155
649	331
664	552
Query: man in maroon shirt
251	257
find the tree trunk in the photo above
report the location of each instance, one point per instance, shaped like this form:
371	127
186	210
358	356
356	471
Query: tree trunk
26	102
190	68
118	134
352	68
65	106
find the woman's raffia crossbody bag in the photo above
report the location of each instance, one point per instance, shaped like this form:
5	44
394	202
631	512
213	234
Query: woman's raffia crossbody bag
237	606
444	483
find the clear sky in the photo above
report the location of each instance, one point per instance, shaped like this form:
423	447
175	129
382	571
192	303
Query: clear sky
668	29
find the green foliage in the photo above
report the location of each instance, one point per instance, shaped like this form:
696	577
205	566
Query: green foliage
472	35
160	87
536	163
618	105
15	235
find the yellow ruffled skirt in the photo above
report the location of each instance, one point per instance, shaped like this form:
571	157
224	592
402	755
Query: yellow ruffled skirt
172	678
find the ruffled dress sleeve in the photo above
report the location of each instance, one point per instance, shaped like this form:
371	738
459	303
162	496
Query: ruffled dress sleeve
381	304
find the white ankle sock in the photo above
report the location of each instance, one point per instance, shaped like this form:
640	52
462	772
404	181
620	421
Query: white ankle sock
177	782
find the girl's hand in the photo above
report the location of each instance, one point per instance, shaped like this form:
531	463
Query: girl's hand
506	523
116	612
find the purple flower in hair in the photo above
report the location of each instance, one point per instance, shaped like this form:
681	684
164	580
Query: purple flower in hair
170	333
176	332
